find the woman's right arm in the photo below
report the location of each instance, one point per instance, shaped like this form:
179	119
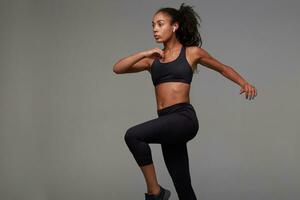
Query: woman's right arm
133	63
137	62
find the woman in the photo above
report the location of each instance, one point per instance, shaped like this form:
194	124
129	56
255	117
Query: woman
171	71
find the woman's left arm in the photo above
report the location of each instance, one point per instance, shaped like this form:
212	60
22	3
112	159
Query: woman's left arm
205	59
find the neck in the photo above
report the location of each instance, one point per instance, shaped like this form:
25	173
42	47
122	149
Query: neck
172	45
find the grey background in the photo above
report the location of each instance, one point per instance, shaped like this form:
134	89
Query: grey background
64	112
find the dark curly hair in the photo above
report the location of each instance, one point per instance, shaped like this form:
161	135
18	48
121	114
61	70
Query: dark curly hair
187	33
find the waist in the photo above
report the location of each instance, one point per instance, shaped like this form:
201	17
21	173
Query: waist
174	108
171	93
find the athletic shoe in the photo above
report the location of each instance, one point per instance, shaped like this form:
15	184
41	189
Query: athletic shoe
164	194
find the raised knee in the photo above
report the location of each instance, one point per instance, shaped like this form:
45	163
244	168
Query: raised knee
129	135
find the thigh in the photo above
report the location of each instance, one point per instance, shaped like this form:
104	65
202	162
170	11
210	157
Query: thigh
167	129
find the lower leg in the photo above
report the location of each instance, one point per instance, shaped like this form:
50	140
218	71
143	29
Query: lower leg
137	139
177	162
150	178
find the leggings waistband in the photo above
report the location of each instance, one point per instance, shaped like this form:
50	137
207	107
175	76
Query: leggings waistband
174	108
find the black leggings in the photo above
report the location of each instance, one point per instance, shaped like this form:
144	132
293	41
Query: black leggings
173	128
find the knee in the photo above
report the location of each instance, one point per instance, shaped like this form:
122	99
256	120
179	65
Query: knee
130	135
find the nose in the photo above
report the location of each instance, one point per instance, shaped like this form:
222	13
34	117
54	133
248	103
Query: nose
154	28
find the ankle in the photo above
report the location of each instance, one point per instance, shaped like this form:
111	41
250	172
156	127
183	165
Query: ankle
154	190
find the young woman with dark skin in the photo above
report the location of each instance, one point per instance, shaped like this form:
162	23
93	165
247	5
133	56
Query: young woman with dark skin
165	30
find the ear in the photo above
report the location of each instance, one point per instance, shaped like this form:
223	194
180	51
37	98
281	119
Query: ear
175	27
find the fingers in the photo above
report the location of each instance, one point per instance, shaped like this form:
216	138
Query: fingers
255	92
160	52
157	52
250	91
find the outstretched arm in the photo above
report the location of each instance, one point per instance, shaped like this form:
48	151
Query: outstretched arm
205	59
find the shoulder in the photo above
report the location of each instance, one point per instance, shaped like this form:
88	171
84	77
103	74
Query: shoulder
195	52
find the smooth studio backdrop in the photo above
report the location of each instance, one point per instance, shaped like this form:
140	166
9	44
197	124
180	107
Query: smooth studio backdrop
64	113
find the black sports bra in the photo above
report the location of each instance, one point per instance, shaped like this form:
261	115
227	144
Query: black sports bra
178	70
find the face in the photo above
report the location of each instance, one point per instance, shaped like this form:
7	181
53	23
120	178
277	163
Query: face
162	28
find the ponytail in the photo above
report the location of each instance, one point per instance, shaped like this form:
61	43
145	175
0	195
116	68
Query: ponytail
188	33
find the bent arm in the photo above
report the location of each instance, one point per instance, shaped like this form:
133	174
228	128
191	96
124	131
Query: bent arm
134	63
205	59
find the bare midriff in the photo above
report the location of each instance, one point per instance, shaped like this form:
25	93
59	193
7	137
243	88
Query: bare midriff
170	93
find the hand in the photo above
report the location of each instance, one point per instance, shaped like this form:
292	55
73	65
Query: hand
250	90
154	53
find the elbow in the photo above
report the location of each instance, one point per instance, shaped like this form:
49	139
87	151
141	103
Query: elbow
115	70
